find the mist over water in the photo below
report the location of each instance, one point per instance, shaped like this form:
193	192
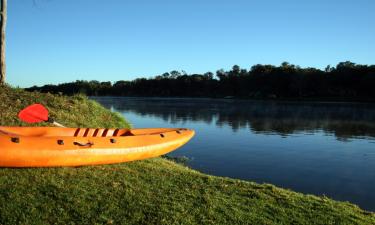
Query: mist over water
317	148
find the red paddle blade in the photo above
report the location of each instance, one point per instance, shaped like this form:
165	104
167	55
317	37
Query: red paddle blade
33	114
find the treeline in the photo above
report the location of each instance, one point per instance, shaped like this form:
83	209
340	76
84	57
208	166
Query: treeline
345	81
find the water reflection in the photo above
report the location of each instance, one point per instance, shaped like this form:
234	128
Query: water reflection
343	120
316	148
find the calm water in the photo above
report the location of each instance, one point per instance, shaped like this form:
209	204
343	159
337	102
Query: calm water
318	148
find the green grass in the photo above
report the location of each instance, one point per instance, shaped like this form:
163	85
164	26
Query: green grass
154	191
76	111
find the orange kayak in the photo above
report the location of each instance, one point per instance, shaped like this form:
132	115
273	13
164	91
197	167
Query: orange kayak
55	146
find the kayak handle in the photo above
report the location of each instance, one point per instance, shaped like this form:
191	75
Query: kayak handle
88	144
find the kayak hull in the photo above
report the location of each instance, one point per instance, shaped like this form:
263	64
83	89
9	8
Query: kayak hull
53	147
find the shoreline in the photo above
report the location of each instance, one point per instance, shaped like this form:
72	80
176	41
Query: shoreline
291	100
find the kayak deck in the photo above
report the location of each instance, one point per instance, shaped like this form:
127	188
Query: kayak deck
55	146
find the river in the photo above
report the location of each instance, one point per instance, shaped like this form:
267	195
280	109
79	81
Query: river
315	148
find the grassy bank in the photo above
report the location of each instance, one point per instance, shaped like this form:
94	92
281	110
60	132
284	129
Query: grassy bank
75	111
155	191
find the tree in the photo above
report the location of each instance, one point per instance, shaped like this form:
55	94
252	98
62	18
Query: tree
235	70
174	74
166	75
328	69
208	75
2	39
285	65
221	74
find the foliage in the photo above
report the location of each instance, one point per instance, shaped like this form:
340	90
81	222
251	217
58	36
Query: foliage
345	81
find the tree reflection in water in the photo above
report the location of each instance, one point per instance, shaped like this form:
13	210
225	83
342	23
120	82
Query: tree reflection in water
344	120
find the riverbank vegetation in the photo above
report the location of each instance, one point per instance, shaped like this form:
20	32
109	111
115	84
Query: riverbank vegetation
346	81
154	191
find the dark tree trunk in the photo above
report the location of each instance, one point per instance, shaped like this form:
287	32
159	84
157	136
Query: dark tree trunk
2	39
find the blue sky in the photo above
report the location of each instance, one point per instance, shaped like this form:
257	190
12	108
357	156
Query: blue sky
55	41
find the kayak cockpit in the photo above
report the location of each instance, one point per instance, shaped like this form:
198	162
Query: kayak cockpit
82	132
101	132
64	132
